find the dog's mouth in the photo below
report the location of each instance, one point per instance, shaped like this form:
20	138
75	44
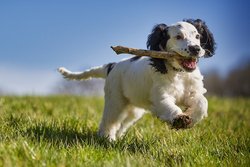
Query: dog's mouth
188	64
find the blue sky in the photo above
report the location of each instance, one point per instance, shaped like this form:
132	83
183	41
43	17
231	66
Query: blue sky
36	37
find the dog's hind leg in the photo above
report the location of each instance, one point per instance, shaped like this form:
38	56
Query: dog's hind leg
133	114
113	115
111	121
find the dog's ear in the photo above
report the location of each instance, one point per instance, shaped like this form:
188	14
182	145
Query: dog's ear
158	38
207	38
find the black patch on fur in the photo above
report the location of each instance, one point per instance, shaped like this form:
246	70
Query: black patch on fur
207	38
158	37
109	67
158	65
157	40
134	58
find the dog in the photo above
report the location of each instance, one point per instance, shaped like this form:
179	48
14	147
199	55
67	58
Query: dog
170	90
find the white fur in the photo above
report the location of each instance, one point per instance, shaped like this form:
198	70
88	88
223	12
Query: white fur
188	33
134	86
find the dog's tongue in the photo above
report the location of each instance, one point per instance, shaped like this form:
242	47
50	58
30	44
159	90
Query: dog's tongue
189	63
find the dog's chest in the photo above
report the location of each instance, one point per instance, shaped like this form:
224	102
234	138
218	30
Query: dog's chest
183	85
176	87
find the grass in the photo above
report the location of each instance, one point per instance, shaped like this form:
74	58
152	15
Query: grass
61	131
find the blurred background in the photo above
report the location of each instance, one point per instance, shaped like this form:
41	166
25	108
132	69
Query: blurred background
37	37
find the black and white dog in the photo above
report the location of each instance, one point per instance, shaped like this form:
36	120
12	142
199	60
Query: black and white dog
162	87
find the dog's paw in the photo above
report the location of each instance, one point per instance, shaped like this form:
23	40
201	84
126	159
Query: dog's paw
181	122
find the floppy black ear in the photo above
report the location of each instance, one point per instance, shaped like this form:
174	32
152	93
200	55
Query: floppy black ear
158	37
207	38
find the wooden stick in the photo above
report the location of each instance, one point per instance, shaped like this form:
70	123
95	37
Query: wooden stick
141	52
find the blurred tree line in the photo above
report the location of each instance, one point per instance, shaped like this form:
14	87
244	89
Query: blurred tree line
236	83
92	87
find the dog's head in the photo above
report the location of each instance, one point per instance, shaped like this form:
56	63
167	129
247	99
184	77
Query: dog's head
190	38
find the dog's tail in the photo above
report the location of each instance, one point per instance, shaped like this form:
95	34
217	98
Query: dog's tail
95	72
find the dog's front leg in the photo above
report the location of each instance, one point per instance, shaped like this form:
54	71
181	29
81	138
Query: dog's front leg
166	109
197	107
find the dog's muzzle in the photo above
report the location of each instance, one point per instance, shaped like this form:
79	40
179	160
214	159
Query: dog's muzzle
194	50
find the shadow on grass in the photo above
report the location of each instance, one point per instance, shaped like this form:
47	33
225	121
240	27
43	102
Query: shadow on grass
66	137
66	134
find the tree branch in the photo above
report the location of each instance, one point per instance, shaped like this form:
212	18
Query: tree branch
141	52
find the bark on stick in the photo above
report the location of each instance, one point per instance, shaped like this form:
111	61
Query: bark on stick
141	52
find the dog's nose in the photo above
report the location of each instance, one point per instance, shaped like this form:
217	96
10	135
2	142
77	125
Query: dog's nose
194	49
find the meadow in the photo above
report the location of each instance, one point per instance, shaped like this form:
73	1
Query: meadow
61	131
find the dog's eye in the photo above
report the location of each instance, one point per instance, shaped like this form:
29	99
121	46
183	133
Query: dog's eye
179	37
197	36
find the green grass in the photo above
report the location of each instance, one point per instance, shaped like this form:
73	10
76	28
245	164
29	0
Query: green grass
61	131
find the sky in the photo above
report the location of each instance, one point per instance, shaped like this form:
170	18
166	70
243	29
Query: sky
37	37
